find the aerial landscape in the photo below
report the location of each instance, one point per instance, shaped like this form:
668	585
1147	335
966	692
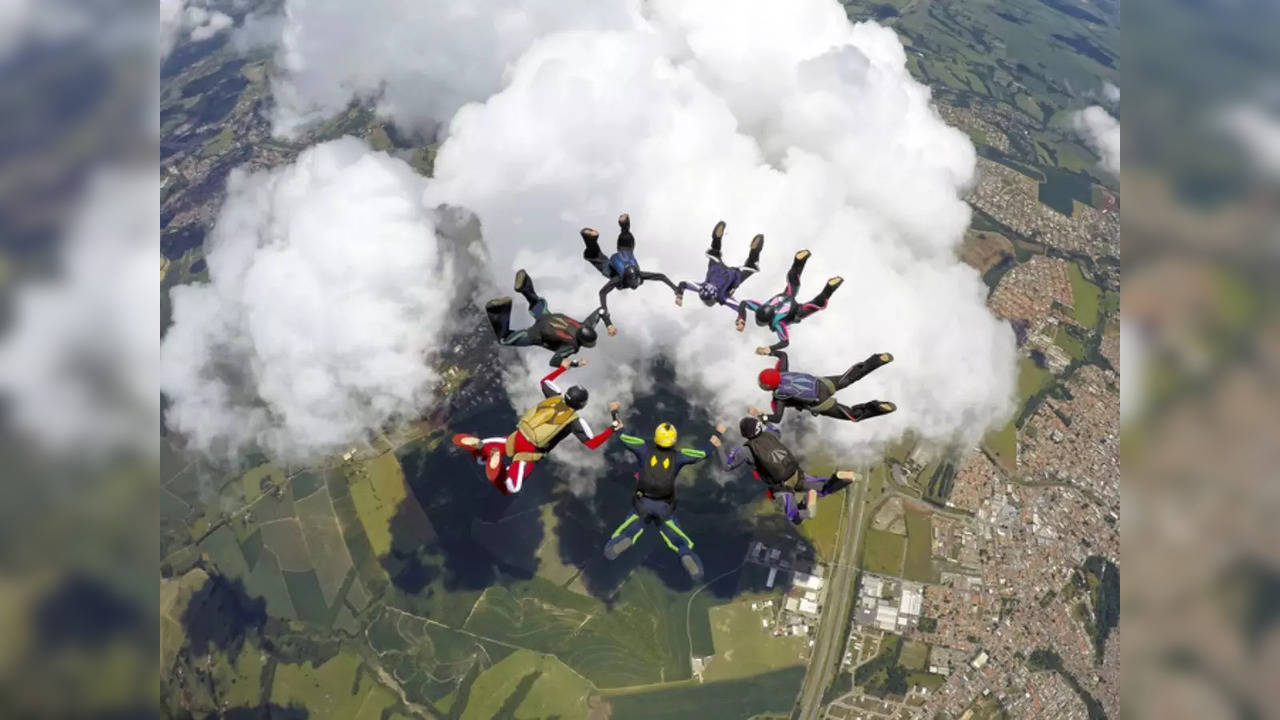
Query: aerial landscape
970	572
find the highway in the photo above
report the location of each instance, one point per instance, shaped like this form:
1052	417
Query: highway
830	639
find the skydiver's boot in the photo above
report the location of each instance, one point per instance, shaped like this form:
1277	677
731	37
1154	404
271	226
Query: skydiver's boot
797	267
524	286
753	257
857	371
499	312
591	239
841	480
717	234
626	241
868	410
692	565
470	443
832	285
493	464
624	537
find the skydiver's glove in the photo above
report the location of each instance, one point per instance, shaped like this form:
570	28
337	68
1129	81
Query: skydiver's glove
613	410
624	221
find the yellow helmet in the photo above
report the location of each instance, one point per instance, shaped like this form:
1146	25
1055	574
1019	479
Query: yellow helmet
665	435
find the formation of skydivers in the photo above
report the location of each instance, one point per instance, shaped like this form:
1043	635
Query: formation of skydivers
509	460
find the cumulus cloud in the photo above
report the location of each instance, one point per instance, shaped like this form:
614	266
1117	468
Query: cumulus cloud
785	120
191	17
1111	92
420	61
78	364
1102	132
326	295
1258	131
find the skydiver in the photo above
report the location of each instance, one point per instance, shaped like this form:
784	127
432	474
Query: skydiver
540	429
776	466
557	332
779	312
622	268
817	394
722	280
654	501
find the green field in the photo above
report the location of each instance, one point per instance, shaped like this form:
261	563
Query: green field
883	552
1031	379
772	692
914	655
1085	296
744	648
377	493
331	690
1072	345
823	531
528	685
1003	446
240	682
918	564
640	639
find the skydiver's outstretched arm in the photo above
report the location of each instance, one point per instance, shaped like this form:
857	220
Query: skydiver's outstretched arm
692	456
783	362
562	354
613	284
659	276
582	431
684	285
743	308
777	408
636	446
593	318
548	384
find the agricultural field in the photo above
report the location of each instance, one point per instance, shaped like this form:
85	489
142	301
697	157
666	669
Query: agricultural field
1085	296
528	684
918	563
1031	379
744	648
883	552
824	530
772	692
339	689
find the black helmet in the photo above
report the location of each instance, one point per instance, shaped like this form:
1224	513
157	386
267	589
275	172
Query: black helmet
764	314
750	427
586	336
707	293
576	397
631	277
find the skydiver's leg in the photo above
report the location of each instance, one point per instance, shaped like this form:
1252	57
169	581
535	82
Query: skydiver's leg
682	545
717	234
499	312
797	267
591	252
857	413
786	501
829	485
624	536
753	257
492	452
517	473
662	278
859	370
819	302
524	286
626	241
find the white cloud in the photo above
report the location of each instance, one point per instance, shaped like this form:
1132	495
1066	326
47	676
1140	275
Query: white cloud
1111	92
78	365
1102	132
781	120
327	292
419	60
205	23
1258	131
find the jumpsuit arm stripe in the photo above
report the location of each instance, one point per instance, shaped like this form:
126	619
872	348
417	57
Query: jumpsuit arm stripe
549	387
597	440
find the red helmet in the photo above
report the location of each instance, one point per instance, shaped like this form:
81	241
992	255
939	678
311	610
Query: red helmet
770	377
